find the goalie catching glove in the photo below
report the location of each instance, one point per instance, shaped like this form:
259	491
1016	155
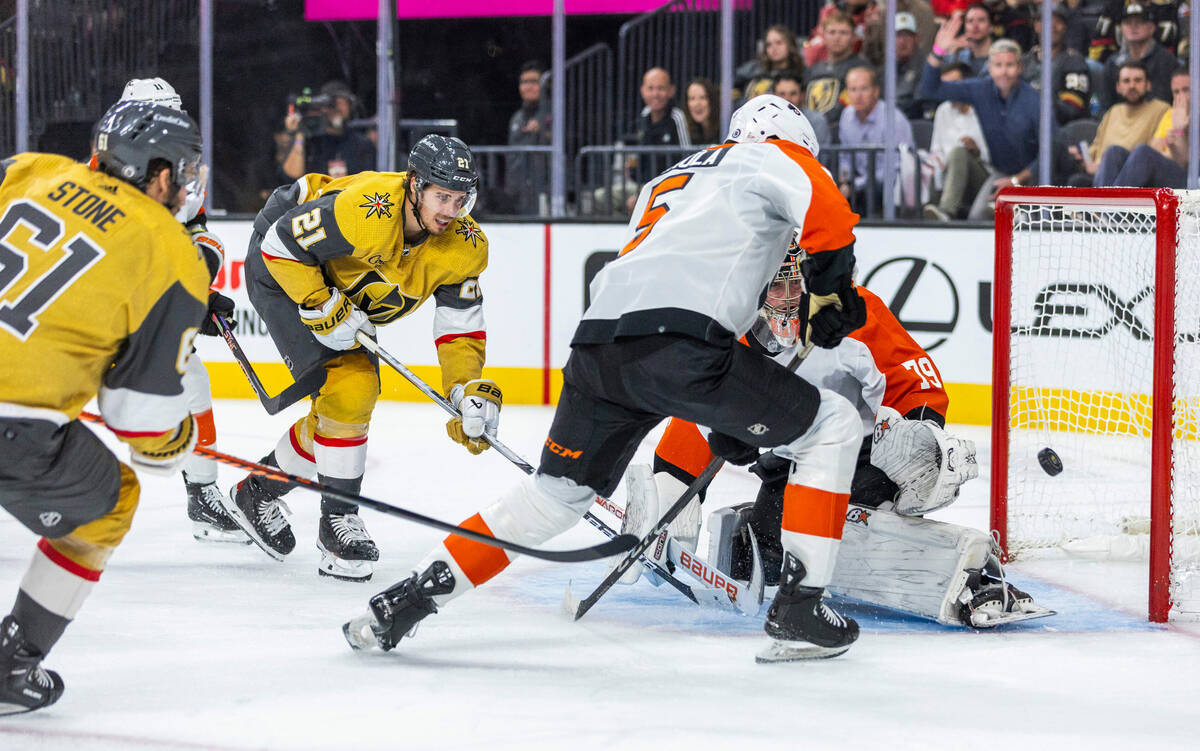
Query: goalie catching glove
336	322
928	464
479	402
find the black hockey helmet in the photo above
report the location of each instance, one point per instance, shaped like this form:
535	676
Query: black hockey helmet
133	133
445	161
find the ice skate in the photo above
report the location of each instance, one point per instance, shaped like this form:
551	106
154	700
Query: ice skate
210	521
347	550
24	684
395	612
801	625
260	515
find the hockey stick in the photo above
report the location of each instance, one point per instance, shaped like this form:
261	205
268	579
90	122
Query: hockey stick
618	544
307	384
520	463
631	557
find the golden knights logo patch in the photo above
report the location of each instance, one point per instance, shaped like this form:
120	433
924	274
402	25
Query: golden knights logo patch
823	94
469	231
379	205
382	301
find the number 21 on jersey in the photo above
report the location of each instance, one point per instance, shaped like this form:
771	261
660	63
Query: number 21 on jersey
656	208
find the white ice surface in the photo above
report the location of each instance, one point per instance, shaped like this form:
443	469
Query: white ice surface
189	645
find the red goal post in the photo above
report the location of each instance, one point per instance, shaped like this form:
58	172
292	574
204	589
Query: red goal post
1085	292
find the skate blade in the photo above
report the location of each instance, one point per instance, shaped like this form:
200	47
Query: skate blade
341	568
240	519
358	632
796	651
204	532
984	618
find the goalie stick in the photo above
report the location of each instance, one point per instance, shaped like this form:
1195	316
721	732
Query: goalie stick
702	597
618	544
306	385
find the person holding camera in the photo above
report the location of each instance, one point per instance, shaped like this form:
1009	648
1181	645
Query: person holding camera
318	139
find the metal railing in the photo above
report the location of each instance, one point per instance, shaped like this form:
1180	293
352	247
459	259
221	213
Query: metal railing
608	178
513	180
681	36
8	72
590	97
844	163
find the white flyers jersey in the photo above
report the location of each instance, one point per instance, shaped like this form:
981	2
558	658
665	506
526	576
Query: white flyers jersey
706	238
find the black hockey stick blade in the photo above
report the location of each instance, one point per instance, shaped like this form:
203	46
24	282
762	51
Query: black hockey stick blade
618	544
306	385
631	557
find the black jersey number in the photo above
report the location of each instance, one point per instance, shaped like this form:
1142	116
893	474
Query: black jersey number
19	315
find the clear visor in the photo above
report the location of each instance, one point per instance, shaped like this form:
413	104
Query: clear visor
191	176
449	202
782	309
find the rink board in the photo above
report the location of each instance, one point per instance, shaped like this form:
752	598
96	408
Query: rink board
937	281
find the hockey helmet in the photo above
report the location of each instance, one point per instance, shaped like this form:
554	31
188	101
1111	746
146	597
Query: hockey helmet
133	133
769	116
154	90
782	306
445	161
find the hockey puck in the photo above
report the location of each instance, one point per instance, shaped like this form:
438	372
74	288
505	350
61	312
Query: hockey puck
1050	461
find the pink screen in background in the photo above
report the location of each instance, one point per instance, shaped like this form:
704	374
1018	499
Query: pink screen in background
345	10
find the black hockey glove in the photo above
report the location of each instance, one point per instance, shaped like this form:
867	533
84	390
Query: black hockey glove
833	317
771	468
731	449
222	306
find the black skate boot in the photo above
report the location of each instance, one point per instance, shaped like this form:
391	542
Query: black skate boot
395	612
210	522
802	625
347	550
259	513
24	684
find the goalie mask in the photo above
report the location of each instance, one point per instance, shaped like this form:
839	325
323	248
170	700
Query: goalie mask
785	300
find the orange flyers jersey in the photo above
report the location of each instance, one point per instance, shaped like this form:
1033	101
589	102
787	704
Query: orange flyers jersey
708	235
878	365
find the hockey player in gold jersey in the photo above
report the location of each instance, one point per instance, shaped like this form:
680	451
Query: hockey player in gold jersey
330	258
101	294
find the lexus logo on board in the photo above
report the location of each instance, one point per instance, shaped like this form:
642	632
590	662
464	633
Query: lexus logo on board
918	285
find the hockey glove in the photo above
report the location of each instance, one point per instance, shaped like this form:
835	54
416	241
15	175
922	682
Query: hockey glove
211	248
834	316
155	457
479	401
221	305
336	322
731	449
927	463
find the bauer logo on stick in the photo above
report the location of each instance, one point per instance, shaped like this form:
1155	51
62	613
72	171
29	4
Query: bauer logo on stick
1050	461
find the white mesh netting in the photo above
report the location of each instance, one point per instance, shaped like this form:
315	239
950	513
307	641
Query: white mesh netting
1081	379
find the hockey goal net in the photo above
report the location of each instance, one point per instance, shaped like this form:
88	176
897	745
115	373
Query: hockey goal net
1096	357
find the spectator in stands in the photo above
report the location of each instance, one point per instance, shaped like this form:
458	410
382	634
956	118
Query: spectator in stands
1127	125
958	154
1069	71
527	176
863	124
1008	109
779	54
856	11
943	9
909	62
1163	16
1013	19
971	47
1137	33
1079	30
873	28
791	88
825	81
703	111
319	139
1162	163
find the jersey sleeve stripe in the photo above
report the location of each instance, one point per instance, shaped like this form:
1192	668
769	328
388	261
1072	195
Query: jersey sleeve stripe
455	322
482	335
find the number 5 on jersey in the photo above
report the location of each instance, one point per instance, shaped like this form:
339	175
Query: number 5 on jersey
656	210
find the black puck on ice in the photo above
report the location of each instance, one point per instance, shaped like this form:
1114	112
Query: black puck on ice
1050	461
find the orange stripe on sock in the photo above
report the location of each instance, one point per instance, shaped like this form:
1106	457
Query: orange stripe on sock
208	429
683	446
811	511
478	561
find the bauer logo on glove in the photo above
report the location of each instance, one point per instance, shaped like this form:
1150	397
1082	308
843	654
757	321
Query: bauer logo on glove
479	403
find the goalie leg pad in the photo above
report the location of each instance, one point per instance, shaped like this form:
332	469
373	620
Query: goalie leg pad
910	564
